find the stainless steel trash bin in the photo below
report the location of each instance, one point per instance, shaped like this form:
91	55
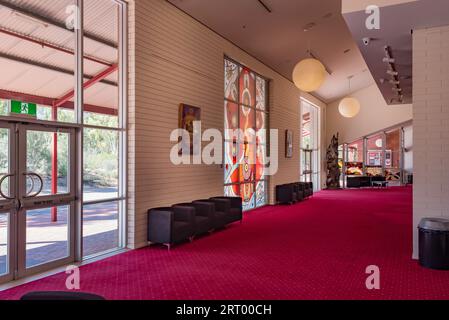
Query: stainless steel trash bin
434	243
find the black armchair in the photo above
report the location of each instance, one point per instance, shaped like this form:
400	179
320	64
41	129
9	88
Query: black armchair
236	211
169	226
285	194
299	191
220	211
204	216
310	187
306	189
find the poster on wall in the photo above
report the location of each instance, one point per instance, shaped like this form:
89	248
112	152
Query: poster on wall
374	158
187	116
388	158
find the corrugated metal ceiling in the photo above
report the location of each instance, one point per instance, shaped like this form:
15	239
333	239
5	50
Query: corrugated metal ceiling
18	57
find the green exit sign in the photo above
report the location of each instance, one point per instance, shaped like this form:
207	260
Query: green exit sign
23	108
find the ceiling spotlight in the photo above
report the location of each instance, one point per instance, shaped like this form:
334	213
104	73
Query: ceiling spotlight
392	73
388	60
396	89
382	81
394	81
309	26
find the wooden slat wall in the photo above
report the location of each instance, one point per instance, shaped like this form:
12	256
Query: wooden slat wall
173	60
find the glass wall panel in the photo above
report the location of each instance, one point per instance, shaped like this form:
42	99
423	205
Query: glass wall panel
103	188
310	144
393	155
100	227
354	162
101	164
4	242
245	153
375	158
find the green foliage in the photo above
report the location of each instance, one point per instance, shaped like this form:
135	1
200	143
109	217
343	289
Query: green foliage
100	147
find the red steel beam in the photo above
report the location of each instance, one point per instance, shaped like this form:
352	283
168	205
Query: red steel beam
68	96
49	45
45	101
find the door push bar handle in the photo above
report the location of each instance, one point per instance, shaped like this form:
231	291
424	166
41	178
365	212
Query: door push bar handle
1	183
41	181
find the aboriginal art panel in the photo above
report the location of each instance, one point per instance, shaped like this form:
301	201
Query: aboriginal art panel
245	146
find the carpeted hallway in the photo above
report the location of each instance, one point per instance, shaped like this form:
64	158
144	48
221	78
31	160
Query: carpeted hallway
318	249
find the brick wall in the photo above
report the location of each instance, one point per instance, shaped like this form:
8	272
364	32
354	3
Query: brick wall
431	125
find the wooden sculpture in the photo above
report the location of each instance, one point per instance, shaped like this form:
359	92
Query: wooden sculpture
333	169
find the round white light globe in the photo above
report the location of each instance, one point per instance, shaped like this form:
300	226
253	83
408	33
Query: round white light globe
309	75
349	107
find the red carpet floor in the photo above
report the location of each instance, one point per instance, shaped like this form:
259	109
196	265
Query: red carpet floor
318	249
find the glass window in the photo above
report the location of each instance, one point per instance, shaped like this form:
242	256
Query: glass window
4	234
310	145
245	152
354	158
393	155
100	227
374	164
103	197
101	164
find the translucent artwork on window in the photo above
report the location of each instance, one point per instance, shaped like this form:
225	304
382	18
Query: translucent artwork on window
245	146
247	88
260	162
247	124
261	93
232	190
231	81
261	127
260	194
248	196
247	163
232	159
231	120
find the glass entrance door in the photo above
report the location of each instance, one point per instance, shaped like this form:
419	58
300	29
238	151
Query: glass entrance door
38	193
7	201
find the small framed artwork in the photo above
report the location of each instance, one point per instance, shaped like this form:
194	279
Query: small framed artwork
187	116
289	144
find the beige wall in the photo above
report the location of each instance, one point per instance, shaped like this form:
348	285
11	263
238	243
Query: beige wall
375	115
431	125
174	60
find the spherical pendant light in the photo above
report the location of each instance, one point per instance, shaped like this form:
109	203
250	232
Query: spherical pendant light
379	143
349	107
309	75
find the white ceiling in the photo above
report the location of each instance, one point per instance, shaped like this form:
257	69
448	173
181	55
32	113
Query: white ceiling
278	38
